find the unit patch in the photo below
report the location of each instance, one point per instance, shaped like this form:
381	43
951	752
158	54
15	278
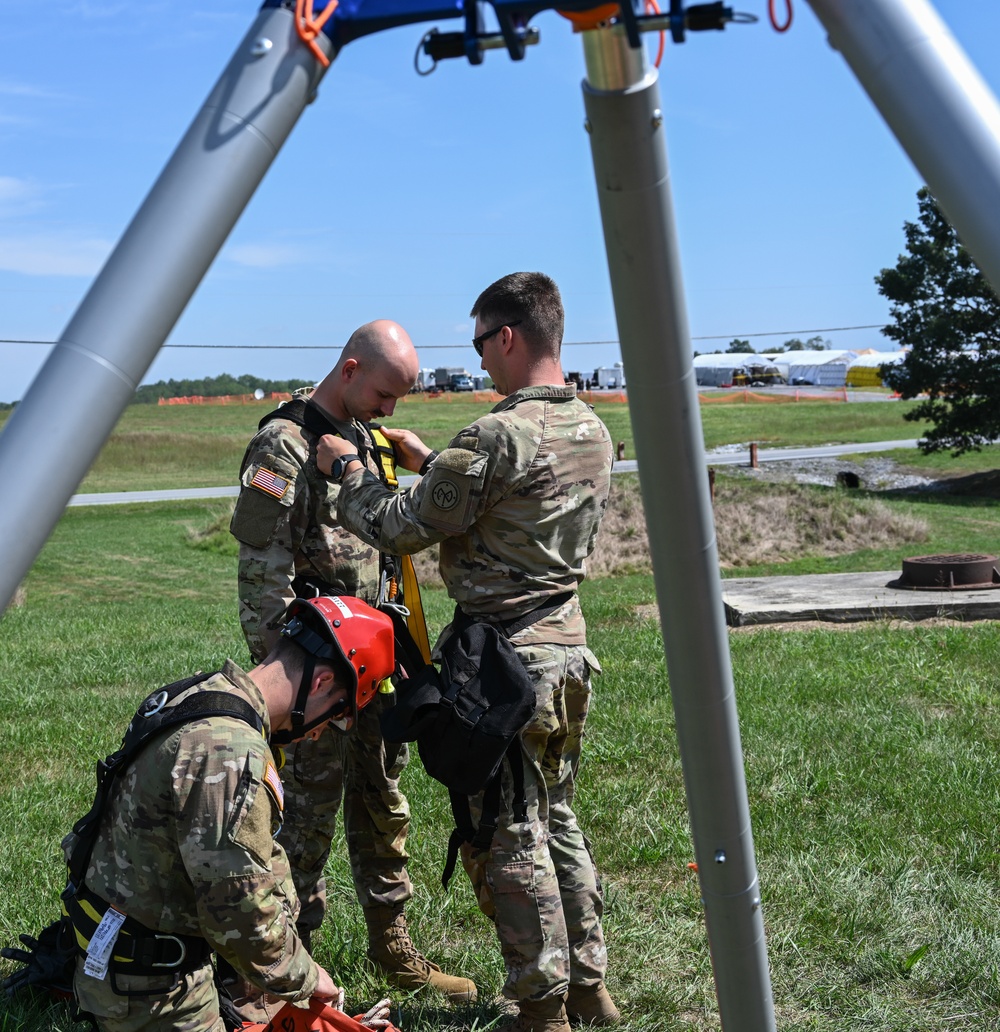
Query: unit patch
270	483
445	495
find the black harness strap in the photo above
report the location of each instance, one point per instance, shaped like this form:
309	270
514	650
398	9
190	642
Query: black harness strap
153	716
309	416
141	950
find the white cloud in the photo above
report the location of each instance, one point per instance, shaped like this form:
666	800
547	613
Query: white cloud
51	255
264	256
16	191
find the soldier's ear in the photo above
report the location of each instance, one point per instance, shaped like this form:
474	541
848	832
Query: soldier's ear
349	368
323	682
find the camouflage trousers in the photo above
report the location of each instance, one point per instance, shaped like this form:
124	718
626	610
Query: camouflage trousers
538	881
192	1006
363	771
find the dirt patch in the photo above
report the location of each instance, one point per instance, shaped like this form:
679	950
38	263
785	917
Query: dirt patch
754	523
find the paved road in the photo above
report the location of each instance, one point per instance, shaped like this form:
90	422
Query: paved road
729	456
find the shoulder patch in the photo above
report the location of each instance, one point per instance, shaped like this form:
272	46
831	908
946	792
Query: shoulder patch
447	496
274	786
269	482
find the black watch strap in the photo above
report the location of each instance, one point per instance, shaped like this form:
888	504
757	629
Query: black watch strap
426	464
340	465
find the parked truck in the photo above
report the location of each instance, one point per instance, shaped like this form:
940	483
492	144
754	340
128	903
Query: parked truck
452	378
611	377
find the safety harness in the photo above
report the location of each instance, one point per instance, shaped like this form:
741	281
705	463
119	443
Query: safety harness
393	569
139	950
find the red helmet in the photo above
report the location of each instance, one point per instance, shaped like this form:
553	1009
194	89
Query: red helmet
354	638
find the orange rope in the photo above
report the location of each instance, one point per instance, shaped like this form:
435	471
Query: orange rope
309	27
652	5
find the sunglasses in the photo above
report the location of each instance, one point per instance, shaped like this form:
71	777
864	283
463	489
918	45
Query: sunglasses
478	342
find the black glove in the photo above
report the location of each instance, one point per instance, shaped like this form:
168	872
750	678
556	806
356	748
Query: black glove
49	961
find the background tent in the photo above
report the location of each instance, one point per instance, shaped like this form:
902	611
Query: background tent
819	368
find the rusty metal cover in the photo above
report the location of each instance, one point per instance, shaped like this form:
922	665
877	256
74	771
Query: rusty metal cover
959	572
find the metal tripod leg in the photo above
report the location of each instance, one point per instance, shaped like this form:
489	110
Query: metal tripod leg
56	432
630	166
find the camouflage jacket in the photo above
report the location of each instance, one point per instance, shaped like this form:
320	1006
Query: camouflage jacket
515	500
186	845
285	521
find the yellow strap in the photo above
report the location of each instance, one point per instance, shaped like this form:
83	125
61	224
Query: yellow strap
386	457
415	622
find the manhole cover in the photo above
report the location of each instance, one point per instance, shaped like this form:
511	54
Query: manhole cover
948	573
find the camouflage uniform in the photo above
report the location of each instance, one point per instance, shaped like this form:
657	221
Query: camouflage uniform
515	501
285	521
187	847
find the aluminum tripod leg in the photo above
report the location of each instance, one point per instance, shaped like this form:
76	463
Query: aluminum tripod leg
630	165
936	105
56	432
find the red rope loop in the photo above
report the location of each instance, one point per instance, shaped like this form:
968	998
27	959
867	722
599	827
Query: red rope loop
774	18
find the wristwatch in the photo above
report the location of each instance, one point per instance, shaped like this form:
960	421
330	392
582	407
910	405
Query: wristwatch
340	465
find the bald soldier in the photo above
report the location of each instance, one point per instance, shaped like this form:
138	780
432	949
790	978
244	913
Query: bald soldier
292	545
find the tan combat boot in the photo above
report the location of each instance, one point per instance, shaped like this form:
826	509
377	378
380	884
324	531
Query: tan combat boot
392	951
539	1016
591	1005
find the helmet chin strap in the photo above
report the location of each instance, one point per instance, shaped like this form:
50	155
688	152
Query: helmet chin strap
300	728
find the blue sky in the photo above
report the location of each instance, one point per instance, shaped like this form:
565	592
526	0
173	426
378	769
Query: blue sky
401	197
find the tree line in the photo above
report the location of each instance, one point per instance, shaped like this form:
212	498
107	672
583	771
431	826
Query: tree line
214	387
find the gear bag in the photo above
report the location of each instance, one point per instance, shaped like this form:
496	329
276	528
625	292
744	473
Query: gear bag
318	1017
465	718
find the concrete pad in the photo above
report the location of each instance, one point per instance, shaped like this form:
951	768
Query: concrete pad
846	597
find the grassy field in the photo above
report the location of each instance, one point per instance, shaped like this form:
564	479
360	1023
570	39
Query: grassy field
156	447
872	757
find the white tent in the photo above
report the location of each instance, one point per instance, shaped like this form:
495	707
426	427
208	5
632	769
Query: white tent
718	371
819	368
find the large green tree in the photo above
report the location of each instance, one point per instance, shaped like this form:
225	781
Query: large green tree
947	315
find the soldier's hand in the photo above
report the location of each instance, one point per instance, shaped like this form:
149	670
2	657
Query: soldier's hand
378	1016
329	448
410	450
326	990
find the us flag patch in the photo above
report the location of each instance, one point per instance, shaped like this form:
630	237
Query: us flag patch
270	483
273	782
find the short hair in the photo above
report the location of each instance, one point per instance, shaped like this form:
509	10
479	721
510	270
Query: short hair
531	299
289	652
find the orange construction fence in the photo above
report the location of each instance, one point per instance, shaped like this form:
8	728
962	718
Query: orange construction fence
224	399
745	397
730	397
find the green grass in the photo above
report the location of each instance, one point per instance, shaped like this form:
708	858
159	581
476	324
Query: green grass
155	447
872	760
871	753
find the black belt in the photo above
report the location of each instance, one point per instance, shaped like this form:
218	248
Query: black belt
138	950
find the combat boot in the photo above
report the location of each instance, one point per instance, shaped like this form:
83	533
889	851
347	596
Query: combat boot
392	951
539	1016
591	1005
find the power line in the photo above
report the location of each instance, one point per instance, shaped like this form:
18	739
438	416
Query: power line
781	333
459	347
